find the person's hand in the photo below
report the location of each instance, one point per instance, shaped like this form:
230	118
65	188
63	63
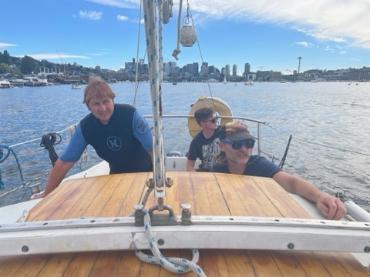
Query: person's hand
38	195
330	206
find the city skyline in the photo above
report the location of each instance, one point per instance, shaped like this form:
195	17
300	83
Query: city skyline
270	35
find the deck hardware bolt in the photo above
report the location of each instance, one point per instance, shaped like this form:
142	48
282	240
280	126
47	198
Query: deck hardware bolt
290	245
231	218
160	241
139	215
169	182
45	223
25	248
277	220
185	213
92	221
367	249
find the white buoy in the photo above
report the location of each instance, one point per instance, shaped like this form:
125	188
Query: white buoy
187	34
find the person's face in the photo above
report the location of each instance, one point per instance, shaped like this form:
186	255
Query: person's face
239	151
102	108
209	124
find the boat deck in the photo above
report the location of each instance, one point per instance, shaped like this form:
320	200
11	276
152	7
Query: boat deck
209	194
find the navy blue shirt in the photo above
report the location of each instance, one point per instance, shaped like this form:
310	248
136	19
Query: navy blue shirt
256	166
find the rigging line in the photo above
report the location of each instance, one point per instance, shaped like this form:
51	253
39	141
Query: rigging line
326	145
137	56
200	53
35	139
333	147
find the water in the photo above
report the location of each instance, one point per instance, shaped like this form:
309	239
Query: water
327	121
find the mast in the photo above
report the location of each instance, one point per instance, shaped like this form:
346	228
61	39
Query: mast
153	28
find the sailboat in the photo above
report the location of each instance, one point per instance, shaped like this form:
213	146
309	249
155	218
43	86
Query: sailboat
94	223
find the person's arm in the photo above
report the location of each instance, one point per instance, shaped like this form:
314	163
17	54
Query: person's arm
329	206
142	132
190	165
57	175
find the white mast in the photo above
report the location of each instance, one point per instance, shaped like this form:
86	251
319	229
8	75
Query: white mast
153	30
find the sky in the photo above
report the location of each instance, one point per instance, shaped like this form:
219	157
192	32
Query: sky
267	34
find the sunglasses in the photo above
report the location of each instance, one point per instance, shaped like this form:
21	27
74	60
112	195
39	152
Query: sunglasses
213	120
236	145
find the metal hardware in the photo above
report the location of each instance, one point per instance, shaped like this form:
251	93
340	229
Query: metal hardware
185	214
205	232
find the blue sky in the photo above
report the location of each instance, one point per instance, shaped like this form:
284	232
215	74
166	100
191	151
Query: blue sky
270	35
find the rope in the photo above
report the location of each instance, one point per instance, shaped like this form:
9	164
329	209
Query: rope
325	145
35	139
177	51
4	157
48	141
172	264
137	56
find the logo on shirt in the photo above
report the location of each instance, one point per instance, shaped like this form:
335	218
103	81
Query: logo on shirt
114	143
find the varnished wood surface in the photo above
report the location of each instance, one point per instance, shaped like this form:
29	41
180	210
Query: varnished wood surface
209	194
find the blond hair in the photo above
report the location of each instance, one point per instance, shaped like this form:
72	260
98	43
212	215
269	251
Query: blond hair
97	87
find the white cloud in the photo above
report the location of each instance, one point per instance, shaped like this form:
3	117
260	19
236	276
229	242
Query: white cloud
6	45
118	3
304	44
334	20
93	15
57	56
122	18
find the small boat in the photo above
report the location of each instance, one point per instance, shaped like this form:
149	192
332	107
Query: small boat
76	86
5	84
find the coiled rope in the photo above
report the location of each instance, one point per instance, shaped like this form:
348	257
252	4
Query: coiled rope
172	264
48	141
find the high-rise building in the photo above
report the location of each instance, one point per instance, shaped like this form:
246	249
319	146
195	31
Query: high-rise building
204	69
235	70
247	69
227	70
169	68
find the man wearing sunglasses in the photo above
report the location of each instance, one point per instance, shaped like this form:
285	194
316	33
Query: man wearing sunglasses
205	145
236	157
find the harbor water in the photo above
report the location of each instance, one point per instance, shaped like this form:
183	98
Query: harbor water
329	122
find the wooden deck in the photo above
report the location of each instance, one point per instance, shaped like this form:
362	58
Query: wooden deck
209	194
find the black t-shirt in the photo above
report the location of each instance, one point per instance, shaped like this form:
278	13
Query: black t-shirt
205	149
256	166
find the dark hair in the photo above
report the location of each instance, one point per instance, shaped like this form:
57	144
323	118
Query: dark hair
203	114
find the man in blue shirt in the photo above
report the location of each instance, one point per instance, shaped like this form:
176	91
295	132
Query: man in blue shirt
117	132
236	157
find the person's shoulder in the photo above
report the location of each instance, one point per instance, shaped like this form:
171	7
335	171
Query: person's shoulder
124	106
221	168
198	136
258	159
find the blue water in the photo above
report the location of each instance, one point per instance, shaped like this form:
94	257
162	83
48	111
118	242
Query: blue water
329	123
